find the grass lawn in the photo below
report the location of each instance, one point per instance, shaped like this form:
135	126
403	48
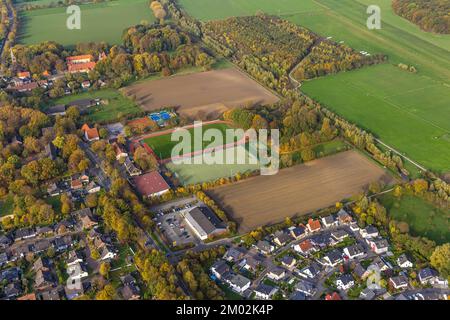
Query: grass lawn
424	218
198	173
402	41
407	111
55	202
118	105
6	206
162	145
99	22
220	9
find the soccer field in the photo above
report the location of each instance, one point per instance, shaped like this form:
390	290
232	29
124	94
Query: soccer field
162	145
408	112
99	22
198	173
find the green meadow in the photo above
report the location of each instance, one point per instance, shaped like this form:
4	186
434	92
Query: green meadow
116	105
423	218
99	22
407	111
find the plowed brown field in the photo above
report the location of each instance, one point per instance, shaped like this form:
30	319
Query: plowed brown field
204	94
298	190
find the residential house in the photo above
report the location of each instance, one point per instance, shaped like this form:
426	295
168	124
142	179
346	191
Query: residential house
29	297
298	232
380	264
329	221
369	232
306	287
313	225
220	269
234	254
80	64
75	289
333	296
354	251
276	274
311	271
282	238
12	290
86	218
43	264
399	282
44	231
297	295
332	258
92	187
367	294
321	240
23	234
345	282
5	242
52	294
120	151
73	258
344	217
90	134
131	168
130	292
378	245
359	271
431	276
86	84
76	271
4	259
44	280
10	275
404	262
41	246
339	235
265	247
288	261
238	283
354	226
62	243
305	247
264	291
250	264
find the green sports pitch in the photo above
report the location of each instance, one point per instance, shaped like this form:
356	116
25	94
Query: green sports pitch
408	112
99	22
198	173
162	145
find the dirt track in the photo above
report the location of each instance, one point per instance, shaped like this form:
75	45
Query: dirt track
297	190
204	94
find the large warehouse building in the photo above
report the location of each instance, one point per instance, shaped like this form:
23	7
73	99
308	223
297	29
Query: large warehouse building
204	223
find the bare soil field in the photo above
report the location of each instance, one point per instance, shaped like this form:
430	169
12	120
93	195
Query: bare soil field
298	190
204	94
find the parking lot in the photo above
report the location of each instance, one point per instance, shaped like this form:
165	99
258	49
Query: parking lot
170	221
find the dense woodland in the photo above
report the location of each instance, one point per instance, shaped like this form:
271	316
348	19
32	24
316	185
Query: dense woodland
269	48
429	15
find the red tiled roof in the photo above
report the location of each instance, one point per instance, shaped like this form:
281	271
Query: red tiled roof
306	245
314	224
81	67
91	133
150	183
334	296
73	59
24	74
30	296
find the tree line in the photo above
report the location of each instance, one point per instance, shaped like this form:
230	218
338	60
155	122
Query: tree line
429	15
